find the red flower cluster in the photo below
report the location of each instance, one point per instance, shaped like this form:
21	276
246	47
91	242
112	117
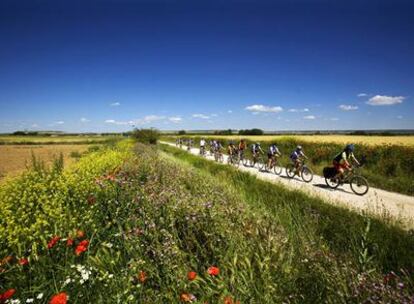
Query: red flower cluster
60	298
142	276
23	261
69	242
229	300
7	295
191	275
80	234
213	271
53	242
82	247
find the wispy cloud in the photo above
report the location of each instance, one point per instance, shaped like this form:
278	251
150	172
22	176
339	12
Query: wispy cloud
83	119
229	111
334	119
175	119
115	104
309	117
382	100
298	110
35	125
202	116
60	122
140	121
362	95
400	117
344	107
263	109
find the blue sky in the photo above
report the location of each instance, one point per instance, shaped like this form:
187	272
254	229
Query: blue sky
278	65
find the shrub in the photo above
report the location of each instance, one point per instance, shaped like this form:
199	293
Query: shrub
146	136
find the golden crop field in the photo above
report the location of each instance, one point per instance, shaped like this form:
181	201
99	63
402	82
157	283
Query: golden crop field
15	158
6	139
340	139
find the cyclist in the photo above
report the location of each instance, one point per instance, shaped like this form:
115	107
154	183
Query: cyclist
341	161
231	150
202	146
242	147
296	158
272	152
256	149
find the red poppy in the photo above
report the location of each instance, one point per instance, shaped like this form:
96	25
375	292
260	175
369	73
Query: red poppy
23	261
82	247
191	275
142	276
186	297
53	242
69	242
213	271
60	298
7	295
80	234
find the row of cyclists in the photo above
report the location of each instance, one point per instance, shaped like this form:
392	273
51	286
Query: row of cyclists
342	161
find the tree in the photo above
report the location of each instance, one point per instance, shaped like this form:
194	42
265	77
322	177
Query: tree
182	132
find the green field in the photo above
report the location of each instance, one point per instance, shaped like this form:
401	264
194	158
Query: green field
142	224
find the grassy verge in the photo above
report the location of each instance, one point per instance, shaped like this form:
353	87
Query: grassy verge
390	246
149	227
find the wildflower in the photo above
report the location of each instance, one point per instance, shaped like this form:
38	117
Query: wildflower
82	247
39	296
69	242
191	275
80	234
53	242
60	298
23	261
213	271
142	276
187	297
30	300
7	295
229	300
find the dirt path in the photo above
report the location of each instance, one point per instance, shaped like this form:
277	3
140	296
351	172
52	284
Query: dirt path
376	201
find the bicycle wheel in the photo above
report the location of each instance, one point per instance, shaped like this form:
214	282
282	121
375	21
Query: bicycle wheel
332	182
307	174
236	161
277	169
359	185
290	171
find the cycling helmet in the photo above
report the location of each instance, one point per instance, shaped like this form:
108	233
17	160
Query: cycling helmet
299	148
257	144
350	147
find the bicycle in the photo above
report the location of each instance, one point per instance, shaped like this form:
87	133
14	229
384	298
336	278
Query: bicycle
274	165
233	159
256	159
218	156
303	171
203	151
359	184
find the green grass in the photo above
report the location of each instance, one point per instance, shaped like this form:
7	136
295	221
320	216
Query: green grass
388	167
151	217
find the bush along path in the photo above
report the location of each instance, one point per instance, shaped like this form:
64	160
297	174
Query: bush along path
135	226
376	201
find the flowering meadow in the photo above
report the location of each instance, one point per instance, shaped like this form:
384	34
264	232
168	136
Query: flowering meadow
133	224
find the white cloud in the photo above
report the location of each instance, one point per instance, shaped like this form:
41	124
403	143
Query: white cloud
348	107
298	110
202	116
263	109
115	104
140	121
309	117
214	115
60	122
175	119
110	121
362	95
83	119
35	125
229	111
382	100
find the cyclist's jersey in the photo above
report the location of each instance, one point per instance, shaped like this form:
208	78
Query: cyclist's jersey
202	143
231	149
273	150
242	146
256	148
343	157
296	155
